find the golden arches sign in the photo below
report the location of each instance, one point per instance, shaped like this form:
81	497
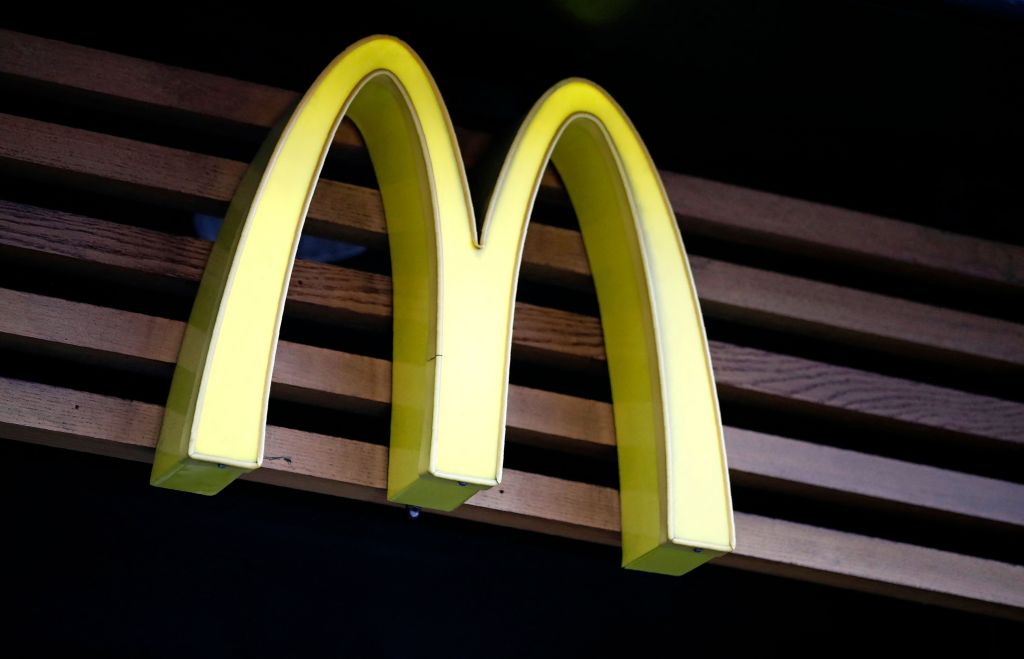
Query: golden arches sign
454	294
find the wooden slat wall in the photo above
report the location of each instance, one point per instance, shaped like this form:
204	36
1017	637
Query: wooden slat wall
108	263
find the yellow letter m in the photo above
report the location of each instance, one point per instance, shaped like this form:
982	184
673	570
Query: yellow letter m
454	294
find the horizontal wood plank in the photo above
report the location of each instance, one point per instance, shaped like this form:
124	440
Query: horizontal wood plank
704	207
121	428
359	298
340	380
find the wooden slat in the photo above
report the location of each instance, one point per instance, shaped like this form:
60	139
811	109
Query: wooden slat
799	466
844	315
792	383
335	379
704	207
746	374
111	426
726	290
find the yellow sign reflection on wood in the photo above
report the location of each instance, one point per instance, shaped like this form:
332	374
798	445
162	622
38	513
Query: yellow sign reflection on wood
454	293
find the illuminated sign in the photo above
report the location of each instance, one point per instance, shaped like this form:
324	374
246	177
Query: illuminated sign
454	295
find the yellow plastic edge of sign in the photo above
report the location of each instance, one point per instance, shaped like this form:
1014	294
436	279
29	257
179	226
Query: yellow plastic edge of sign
454	294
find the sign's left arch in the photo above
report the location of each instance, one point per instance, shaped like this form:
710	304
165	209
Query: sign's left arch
454	297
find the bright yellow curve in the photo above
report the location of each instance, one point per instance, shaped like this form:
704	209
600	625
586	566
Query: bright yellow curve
453	303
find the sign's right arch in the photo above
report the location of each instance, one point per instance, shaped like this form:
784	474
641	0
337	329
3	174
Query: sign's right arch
673	478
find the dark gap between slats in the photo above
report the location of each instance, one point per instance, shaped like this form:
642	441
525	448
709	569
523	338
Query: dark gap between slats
977	539
923	446
22	188
162	126
129	119
39	365
963	297
53	276
967	375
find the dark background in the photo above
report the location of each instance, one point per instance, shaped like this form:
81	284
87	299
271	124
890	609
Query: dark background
902	109
98	560
911	110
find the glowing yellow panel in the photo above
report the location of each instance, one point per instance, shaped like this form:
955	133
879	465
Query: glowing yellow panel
454	297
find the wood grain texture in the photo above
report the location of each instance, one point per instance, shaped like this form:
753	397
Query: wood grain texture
340	380
738	293
310	375
121	428
164	174
358	298
813	469
704	207
844	315
783	382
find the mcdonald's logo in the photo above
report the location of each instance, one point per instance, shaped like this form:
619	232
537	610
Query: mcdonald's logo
454	293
